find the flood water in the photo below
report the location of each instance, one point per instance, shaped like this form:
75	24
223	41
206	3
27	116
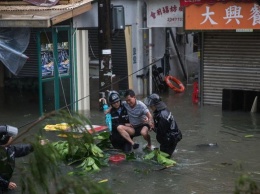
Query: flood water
200	169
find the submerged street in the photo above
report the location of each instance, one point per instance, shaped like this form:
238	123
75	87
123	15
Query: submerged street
217	147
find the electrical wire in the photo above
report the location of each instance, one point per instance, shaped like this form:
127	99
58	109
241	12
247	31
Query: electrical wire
92	50
61	83
97	91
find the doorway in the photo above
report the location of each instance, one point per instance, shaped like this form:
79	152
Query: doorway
55	75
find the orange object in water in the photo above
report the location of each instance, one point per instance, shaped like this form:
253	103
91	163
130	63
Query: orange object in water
195	93
168	80
117	158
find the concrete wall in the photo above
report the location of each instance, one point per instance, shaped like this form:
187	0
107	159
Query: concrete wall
135	17
90	18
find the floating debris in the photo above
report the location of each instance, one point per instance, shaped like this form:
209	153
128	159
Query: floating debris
248	136
103	181
207	145
226	164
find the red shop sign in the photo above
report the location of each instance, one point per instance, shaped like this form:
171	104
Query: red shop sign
222	16
199	2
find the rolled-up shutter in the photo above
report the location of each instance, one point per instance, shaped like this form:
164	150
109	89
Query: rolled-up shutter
30	68
231	60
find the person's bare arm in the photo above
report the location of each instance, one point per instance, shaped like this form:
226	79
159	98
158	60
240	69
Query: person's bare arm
150	120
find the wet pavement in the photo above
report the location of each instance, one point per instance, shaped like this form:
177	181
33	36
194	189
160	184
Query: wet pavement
217	147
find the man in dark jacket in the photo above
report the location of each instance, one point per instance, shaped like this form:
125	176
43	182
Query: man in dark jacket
165	127
8	153
122	132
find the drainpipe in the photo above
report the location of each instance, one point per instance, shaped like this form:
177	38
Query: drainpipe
201	70
150	62
177	52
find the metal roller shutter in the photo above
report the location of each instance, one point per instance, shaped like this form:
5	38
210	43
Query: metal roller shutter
231	60
30	68
93	43
119	59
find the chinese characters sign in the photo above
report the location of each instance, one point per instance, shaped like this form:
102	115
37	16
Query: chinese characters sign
222	16
164	13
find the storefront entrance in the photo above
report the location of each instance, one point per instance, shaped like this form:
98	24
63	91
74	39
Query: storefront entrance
55	72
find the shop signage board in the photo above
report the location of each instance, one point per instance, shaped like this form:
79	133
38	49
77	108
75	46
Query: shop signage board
164	13
185	3
223	16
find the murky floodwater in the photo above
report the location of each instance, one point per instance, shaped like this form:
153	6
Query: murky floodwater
201	169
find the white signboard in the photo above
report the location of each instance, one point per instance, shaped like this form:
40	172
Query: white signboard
164	13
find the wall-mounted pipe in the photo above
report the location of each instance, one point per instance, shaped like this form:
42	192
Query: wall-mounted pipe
177	51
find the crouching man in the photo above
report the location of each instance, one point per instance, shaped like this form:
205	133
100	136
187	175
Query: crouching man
165	126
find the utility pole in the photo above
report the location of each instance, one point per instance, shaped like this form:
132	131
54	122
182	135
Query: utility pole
104	37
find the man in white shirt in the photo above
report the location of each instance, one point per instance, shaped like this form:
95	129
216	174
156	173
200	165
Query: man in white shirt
139	116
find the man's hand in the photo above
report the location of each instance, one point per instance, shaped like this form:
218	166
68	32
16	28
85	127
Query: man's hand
108	110
150	121
12	185
151	124
44	141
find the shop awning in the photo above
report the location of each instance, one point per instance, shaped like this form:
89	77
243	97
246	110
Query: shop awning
40	17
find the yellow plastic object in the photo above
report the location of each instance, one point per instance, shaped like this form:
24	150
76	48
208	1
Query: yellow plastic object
57	127
74	136
103	181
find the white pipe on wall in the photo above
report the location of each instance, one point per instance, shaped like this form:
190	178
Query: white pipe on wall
82	70
150	61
